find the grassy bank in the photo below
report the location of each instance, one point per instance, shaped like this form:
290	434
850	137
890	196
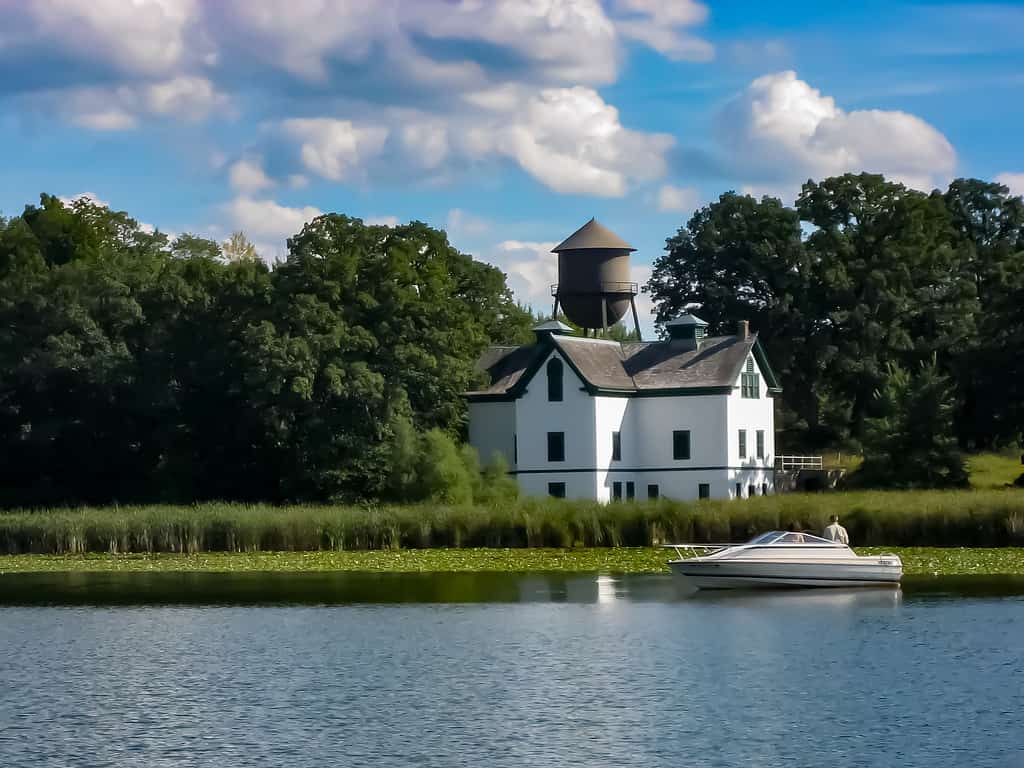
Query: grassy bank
917	561
992	518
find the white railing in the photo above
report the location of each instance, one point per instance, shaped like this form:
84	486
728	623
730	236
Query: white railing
799	462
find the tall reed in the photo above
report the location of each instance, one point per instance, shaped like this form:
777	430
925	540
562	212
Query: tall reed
910	518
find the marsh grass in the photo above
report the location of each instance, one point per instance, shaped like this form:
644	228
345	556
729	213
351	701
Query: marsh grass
914	518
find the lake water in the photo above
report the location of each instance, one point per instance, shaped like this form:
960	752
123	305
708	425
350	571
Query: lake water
503	670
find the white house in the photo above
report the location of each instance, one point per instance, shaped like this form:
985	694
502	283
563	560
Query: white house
687	417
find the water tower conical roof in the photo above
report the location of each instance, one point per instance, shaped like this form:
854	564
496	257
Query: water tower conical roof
592	236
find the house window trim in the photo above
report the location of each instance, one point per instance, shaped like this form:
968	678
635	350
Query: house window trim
743	443
556	380
616	446
617	490
682	455
703	490
561	444
553	486
630	490
760	447
653	491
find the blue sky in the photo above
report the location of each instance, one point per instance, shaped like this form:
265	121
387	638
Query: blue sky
507	122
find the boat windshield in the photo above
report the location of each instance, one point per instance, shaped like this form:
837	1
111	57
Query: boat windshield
789	537
766	538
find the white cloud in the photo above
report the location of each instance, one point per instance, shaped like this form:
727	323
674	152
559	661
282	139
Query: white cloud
531	269
189	98
105	119
267	219
381	221
572	141
89	196
247	175
659	24
782	129
334	148
1015	182
148	37
681	199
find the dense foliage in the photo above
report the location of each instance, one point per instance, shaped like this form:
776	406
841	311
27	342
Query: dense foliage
134	368
861	280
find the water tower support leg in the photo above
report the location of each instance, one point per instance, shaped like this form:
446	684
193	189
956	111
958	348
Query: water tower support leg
636	317
554	312
604	316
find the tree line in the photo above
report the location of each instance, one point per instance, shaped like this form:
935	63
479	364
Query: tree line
135	367
894	318
139	368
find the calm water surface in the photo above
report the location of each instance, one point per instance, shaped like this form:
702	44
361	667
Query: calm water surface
502	670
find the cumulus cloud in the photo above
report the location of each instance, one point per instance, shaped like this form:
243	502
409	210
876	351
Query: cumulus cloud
570	140
680	199
248	176
1015	182
660	24
267	219
334	148
781	129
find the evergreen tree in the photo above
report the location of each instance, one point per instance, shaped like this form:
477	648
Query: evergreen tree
912	442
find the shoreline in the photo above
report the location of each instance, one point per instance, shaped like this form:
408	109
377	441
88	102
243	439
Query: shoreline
917	561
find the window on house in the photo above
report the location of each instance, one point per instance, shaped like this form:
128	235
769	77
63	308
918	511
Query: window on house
630	489
617	491
751	490
739	490
704	491
760	443
743	443
764	489
616	447
653	491
556	490
555	370
750	383
681	444
556	446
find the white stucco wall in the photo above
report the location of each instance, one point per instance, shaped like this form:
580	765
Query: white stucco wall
574	416
751	415
492	429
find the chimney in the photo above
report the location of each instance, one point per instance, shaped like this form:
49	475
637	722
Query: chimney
743	329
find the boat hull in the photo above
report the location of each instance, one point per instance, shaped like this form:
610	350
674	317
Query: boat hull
733	574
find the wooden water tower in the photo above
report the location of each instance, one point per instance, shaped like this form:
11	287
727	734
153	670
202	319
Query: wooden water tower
593	289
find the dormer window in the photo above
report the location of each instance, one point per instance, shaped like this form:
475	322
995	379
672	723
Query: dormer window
555	370
750	382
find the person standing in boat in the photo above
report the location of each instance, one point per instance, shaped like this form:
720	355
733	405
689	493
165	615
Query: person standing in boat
835	532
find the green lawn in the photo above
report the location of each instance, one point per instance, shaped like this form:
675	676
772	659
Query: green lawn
917	561
993	470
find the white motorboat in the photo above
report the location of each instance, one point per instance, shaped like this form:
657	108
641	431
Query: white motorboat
781	559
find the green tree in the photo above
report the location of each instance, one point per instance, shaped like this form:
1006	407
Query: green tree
911	443
441	470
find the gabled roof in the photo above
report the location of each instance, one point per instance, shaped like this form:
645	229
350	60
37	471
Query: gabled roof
685	319
638	369
553	326
592	235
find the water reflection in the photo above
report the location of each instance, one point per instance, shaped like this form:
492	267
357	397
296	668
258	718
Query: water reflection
343	588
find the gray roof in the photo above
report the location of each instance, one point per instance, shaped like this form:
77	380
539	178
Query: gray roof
685	319
553	325
592	235
633	367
